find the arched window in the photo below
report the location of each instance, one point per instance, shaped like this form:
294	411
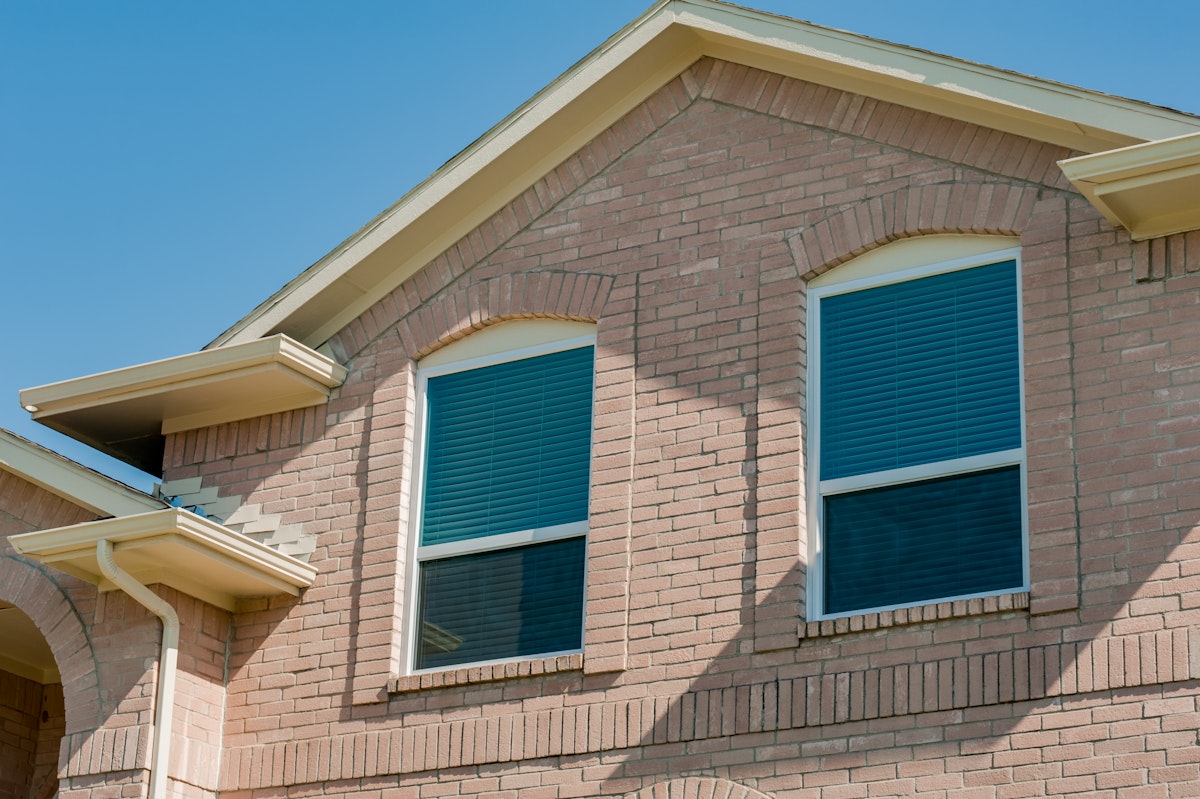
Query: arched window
502	486
916	433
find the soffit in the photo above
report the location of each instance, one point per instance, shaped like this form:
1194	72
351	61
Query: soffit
622	73
73	482
176	548
126	412
1150	189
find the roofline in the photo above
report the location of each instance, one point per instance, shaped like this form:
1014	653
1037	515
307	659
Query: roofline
1150	189
72	481
126	412
624	71
190	553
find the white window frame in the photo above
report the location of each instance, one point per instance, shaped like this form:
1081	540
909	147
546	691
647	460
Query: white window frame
818	489
552	337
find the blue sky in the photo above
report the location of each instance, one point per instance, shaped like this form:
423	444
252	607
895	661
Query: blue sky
165	167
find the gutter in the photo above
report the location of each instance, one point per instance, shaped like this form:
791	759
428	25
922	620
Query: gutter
164	700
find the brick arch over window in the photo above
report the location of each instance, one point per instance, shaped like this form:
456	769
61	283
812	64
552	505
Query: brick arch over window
845	233
1039	217
475	305
697	788
45	602
469	305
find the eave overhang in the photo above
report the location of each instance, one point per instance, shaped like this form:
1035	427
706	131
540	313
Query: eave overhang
73	482
126	412
622	73
1150	189
174	547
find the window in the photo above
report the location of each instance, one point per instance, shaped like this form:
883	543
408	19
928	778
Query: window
503	484
916	436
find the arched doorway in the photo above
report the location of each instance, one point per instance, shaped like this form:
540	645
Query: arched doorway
32	713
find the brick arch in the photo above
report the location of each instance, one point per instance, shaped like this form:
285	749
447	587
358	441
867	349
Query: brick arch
849	231
475	305
697	788
36	595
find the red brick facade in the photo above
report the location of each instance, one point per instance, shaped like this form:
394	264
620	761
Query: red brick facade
688	233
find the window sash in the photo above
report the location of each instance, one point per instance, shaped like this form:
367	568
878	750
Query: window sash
507	447
426	556
820	489
903	544
511	603
919	371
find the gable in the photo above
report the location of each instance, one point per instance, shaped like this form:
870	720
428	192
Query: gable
679	54
620	75
725	161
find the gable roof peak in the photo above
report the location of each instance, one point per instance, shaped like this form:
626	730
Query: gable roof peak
621	73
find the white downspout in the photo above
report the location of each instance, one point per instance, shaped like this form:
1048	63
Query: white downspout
164	701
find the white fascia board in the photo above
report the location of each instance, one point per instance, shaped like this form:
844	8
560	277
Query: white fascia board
125	412
1150	189
177	548
164	374
72	481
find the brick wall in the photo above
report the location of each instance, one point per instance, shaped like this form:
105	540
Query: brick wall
20	707
31	728
97	730
688	233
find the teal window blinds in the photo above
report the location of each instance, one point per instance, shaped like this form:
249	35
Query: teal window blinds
507	456
920	380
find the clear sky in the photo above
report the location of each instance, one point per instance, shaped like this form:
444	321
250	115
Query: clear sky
165	167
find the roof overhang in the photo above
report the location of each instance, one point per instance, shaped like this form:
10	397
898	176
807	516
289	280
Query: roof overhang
1150	189
71	481
176	548
126	412
622	73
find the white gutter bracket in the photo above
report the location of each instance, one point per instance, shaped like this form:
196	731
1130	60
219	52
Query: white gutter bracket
164	701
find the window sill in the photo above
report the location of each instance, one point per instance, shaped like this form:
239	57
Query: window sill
471	675
918	614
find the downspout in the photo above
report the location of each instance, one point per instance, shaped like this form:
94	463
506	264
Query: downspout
164	701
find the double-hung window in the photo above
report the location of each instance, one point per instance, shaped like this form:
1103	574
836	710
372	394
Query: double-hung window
916	437
503	505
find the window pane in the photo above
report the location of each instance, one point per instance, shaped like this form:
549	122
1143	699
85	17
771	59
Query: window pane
923	541
508	447
921	371
508	603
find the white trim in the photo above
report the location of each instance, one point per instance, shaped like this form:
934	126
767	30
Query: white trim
175	547
73	482
817	489
419	554
834	287
497	662
917	251
937	600
483	361
492	543
923	471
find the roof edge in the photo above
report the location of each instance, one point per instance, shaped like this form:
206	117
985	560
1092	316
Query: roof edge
1150	189
177	548
72	481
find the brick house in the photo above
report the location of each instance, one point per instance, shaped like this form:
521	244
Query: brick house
761	410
